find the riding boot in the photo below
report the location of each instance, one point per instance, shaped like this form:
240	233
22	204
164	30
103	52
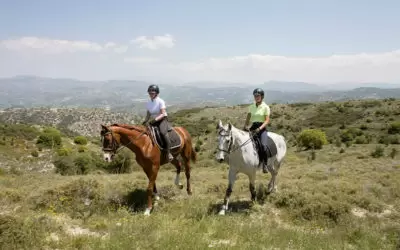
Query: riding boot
265	160
167	147
265	154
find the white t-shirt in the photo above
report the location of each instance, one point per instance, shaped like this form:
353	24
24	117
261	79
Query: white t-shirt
154	106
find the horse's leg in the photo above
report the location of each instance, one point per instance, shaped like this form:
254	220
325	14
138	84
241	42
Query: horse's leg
252	186
186	160
274	173
150	188
155	192
178	167
231	182
187	174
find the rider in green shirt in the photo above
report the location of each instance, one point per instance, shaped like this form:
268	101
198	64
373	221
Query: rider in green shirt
258	115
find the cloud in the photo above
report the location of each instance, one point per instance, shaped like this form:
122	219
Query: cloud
57	46
154	43
364	67
91	60
141	60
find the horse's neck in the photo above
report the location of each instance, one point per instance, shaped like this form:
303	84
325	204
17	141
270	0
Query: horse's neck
131	138
239	137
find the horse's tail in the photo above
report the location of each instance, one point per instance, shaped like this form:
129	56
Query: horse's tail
190	149
193	154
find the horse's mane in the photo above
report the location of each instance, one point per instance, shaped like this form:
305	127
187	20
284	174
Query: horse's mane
139	128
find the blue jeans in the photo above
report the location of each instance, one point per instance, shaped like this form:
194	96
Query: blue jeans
263	137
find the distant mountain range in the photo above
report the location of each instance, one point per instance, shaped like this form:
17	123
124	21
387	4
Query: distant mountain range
130	95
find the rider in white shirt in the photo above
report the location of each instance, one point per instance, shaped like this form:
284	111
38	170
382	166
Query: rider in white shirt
157	116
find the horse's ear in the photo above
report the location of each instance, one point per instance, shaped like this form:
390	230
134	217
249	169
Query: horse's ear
219	125
229	126
104	128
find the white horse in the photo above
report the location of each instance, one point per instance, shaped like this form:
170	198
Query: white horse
236	146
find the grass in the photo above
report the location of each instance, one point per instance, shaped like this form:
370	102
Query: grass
337	201
345	196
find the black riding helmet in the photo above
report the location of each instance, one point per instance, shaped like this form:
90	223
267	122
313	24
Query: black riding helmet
258	91
154	88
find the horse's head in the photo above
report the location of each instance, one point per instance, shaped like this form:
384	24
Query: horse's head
110	143
225	140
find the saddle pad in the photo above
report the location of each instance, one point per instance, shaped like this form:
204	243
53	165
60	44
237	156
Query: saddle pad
271	147
173	137
272	150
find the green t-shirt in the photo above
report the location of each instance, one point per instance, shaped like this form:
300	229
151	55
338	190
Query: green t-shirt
258	114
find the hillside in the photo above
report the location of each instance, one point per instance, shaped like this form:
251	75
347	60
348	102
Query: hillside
57	192
83	121
129	95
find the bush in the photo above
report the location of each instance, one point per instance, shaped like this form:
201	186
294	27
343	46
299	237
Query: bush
122	163
74	164
378	152
82	149
63	151
350	134
393	153
80	140
362	139
312	138
394	128
197	147
19	130
35	153
50	137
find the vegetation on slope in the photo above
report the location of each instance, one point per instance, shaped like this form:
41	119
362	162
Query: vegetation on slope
341	193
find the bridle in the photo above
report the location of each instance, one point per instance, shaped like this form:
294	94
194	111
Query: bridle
230	150
116	147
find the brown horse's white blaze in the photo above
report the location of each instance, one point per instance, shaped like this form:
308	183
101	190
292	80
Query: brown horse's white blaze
148	155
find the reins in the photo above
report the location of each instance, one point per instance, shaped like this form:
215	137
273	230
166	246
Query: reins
118	147
229	151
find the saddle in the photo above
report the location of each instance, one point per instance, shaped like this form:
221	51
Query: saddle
159	141
271	147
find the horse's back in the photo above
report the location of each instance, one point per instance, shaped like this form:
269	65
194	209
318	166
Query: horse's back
280	143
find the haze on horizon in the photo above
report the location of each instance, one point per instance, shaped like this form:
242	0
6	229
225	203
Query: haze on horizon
323	42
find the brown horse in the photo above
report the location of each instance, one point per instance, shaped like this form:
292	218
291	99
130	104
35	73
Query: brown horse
142	142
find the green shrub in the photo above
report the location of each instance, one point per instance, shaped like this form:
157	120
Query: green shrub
378	152
63	151
73	164
122	163
394	128
80	140
50	137
82	149
389	139
35	153
362	139
19	130
393	153
312	138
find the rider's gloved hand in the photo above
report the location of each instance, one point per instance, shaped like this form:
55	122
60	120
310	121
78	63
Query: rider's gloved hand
255	132
152	121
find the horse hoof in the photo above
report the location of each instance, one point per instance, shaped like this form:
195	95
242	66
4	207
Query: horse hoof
157	198
222	212
147	212
271	190
180	186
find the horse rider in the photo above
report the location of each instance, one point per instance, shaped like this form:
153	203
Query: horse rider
157	116
258	115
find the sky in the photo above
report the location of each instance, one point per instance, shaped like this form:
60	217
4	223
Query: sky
253	41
